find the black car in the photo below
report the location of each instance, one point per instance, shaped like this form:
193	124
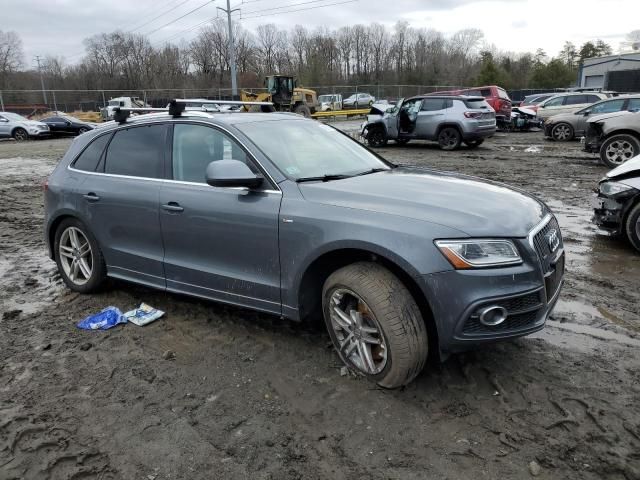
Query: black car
66	125
617	204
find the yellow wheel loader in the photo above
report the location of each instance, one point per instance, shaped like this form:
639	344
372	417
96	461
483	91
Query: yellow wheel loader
283	92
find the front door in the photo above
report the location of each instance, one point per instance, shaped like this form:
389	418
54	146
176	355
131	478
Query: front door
220	243
119	200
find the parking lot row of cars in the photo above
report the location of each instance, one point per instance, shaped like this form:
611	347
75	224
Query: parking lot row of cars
21	128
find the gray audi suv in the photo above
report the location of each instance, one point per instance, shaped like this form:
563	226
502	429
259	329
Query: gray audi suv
288	216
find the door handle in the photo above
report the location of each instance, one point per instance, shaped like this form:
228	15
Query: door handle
173	207
91	197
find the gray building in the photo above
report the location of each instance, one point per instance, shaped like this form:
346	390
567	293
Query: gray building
596	72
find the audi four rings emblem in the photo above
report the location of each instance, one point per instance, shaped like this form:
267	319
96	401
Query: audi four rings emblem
553	240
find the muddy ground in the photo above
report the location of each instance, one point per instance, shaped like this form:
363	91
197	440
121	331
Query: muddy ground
212	391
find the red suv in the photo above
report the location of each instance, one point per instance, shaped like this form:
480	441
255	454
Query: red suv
496	96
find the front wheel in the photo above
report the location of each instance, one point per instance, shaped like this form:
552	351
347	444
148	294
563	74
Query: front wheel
302	110
377	138
20	135
449	138
375	324
632	227
618	149
78	256
474	143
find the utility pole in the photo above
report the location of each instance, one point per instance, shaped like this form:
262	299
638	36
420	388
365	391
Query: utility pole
232	51
44	93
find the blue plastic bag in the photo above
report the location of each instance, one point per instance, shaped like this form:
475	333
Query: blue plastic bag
107	318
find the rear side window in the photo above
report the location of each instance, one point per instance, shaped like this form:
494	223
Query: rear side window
592	99
555	102
137	152
90	157
576	99
433	104
607	107
634	104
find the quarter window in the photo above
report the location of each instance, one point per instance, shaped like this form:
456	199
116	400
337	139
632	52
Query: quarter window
90	157
195	146
137	152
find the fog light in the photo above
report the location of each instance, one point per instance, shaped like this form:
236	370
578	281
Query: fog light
493	315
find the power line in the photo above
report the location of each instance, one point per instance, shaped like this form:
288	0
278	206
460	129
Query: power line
284	6
158	16
242	17
148	12
179	18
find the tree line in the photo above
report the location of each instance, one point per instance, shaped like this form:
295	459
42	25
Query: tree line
359	54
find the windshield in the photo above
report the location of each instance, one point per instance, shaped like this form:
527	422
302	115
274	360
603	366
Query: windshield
302	149
325	98
14	116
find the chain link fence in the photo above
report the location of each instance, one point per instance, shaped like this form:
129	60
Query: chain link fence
34	102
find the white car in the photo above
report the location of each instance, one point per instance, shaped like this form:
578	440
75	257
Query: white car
21	128
568	103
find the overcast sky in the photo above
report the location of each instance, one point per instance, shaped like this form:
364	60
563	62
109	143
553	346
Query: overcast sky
57	27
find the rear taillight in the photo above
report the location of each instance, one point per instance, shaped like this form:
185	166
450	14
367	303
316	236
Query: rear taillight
475	115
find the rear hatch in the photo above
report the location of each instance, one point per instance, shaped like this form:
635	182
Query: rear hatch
479	109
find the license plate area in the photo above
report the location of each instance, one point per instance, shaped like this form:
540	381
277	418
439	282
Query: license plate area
553	278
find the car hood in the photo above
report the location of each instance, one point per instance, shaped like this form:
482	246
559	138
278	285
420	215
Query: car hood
629	166
476	207
32	123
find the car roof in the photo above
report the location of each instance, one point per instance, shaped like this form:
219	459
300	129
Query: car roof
453	97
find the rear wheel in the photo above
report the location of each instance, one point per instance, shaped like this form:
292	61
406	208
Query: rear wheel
449	138
562	132
474	143
20	135
302	110
82	130
632	227
618	149
78	256
377	138
375	324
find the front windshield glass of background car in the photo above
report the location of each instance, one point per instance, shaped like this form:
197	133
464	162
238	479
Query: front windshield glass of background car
302	149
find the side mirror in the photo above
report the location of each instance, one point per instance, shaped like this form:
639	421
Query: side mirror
587	113
231	173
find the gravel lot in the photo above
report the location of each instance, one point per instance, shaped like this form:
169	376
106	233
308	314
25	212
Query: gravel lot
212	391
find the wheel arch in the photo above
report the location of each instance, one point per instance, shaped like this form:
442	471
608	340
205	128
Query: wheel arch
53	227
629	132
309	288
18	127
448	124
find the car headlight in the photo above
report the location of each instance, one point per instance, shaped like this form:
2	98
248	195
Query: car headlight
613	188
479	253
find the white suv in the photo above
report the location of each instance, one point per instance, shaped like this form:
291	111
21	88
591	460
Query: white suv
568	103
21	128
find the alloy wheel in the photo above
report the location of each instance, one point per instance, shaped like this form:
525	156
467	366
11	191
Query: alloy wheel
20	135
76	256
562	132
619	151
448	138
360	339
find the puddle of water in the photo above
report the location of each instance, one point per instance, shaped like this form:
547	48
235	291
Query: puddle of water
21	167
595	333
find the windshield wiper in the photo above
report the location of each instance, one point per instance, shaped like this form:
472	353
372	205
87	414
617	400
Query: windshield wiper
323	178
373	170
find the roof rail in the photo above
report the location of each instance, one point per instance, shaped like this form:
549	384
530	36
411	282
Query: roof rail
177	107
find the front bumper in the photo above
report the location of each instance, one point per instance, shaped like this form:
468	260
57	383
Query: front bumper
526	292
609	212
39	133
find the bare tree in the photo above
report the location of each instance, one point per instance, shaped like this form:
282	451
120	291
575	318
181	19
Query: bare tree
11	55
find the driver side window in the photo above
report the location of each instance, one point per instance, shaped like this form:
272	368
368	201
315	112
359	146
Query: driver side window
195	146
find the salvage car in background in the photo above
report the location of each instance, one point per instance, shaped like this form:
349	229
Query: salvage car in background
359	100
289	216
449	120
568	103
21	128
330	103
65	125
617	204
567	126
614	136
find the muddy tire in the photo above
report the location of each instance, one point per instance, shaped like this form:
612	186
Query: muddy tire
562	132
20	135
474	143
403	141
618	149
78	256
632	226
449	138
377	138
375	324
302	110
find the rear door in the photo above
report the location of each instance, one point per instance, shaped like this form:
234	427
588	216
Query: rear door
431	115
120	202
220	243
